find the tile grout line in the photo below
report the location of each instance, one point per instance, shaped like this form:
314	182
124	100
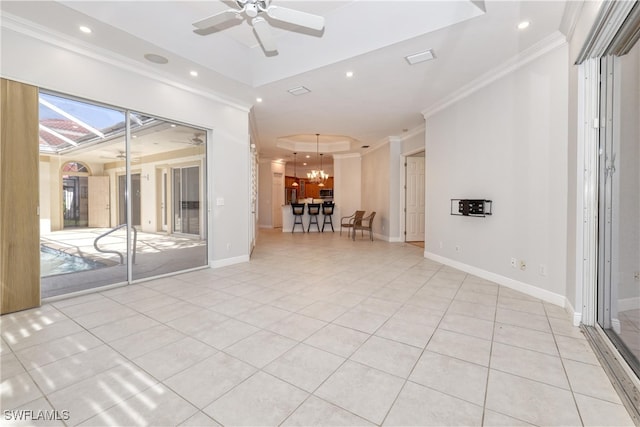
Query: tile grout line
406	380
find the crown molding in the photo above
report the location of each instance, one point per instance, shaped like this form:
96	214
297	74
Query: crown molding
347	156
570	17
63	41
546	45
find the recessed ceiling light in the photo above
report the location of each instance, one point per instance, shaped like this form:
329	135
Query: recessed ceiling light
134	136
308	156
193	73
258	99
300	90
349	74
156	59
523	25
419	57
173	125
85	29
304	164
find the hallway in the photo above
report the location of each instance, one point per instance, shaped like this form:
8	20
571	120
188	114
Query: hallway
315	329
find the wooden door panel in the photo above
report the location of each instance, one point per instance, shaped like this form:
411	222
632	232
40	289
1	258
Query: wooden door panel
19	190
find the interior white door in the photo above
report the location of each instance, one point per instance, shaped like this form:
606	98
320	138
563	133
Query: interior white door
415	182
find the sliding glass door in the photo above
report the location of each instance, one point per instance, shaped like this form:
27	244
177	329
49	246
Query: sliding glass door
619	204
122	195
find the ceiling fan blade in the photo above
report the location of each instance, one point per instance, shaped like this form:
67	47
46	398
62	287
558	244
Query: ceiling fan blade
263	32
218	19
291	16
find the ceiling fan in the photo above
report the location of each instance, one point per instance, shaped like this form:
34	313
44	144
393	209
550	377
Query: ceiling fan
256	9
195	140
122	155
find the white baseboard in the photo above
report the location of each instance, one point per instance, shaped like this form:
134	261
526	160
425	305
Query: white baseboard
626	304
577	317
229	261
516	285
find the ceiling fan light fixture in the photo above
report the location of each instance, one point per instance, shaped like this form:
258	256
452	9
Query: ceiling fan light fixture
419	57
300	90
255	10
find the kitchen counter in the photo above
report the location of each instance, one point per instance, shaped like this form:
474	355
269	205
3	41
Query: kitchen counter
288	219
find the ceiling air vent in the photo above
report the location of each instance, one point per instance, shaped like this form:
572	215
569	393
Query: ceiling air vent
419	57
300	90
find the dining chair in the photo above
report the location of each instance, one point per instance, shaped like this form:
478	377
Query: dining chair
348	221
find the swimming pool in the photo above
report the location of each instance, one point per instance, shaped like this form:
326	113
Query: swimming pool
53	262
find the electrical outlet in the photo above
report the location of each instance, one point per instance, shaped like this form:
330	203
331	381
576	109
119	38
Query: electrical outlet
636	275
514	262
458	248
542	269
523	265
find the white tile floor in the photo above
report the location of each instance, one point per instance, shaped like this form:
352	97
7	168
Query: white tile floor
316	330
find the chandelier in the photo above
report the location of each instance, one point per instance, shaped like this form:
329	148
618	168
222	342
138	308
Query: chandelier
318	176
295	172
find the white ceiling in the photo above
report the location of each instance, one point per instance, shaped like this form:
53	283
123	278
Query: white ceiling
384	98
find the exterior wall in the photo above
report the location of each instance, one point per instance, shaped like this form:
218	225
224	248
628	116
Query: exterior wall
72	70
506	142
51	191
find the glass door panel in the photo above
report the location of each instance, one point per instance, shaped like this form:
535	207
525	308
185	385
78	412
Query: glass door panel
80	156
619	236
168	185
186	194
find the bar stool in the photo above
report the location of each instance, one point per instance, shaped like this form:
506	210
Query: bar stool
313	209
327	211
298	211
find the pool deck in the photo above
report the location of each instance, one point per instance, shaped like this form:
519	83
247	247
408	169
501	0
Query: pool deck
156	254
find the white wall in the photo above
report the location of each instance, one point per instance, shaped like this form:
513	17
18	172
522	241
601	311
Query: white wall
44	61
271	193
381	188
506	142
414	142
375	187
265	189
347	185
